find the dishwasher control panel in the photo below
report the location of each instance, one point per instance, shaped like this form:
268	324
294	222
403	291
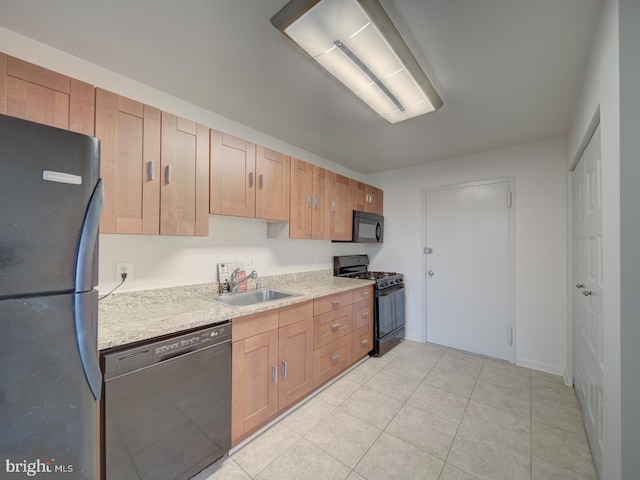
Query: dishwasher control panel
214	334
128	359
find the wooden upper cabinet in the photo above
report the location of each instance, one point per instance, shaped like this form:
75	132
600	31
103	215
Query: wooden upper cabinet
341	223
375	200
232	185
273	173
310	201
358	194
34	93
184	177
129	134
300	213
365	198
321	215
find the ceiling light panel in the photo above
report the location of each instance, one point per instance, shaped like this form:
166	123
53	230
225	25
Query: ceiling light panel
357	43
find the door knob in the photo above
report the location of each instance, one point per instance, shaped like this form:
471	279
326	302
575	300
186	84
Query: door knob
586	293
430	273
579	285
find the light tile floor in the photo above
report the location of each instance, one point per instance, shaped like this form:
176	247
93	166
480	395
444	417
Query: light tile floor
428	412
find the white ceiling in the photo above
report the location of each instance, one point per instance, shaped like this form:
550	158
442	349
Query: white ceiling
507	70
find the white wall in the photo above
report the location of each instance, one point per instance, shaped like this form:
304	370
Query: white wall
160	261
601	91
540	240
169	261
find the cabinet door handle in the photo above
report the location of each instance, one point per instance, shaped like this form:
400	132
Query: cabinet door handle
274	374
152	171
335	302
336	326
309	202
364	314
586	293
168	174
260	181
250	179
364	294
364	342
333	206
284	368
579	285
335	356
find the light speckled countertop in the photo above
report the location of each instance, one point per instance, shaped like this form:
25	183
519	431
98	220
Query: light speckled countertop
133	316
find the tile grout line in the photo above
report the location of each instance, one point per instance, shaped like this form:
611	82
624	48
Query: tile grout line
460	424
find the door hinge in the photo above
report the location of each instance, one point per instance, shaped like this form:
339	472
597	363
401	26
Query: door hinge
509	200
510	335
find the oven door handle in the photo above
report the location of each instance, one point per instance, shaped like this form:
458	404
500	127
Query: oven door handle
391	290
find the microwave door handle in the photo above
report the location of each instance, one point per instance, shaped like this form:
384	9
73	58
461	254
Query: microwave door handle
378	232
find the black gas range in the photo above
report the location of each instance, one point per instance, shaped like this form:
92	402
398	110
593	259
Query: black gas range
389	313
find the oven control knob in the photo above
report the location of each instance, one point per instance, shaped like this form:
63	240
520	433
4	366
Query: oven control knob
384	284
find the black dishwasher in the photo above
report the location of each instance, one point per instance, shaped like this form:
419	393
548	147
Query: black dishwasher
167	406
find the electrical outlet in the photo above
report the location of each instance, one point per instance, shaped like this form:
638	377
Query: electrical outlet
124	267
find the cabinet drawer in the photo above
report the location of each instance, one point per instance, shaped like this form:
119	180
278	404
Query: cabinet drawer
362	314
295	313
330	326
331	359
331	302
245	327
364	293
362	342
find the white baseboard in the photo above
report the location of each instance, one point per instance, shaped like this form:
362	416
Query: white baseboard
541	366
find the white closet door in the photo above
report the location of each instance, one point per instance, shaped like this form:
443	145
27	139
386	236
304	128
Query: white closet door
588	291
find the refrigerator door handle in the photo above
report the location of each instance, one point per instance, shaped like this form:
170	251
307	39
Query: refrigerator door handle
86	323
86	266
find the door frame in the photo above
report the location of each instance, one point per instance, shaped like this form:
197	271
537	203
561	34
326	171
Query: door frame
512	252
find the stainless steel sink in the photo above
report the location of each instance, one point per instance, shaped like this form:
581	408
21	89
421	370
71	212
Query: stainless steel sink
252	297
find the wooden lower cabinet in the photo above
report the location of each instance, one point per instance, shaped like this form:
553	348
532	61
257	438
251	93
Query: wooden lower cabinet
254	386
296	362
362	343
330	360
281	356
272	365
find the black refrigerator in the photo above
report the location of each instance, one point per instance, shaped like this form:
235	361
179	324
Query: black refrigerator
51	199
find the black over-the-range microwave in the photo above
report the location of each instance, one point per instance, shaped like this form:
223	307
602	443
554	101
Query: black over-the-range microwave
367	228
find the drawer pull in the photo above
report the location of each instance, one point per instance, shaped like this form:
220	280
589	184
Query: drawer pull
364	314
336	326
335	302
364	294
364	342
335	356
274	374
284	368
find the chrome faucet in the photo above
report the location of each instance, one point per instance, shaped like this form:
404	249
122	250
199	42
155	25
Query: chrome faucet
234	283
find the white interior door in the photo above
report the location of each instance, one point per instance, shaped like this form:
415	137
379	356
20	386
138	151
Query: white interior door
587	296
469	272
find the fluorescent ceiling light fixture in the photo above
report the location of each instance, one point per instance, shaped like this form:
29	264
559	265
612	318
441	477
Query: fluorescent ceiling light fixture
356	42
